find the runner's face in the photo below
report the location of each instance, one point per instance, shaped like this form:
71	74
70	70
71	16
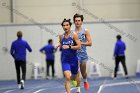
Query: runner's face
66	26
78	22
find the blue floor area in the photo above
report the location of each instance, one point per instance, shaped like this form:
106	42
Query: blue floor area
121	89
120	85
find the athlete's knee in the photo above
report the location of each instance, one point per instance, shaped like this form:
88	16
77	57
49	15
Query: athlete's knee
67	78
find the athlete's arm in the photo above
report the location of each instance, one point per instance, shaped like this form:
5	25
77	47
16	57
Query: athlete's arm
88	37
59	42
76	39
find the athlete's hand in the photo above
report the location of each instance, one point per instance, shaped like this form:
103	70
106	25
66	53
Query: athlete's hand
65	47
58	45
82	43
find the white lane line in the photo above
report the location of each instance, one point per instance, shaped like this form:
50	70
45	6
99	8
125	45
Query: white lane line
38	90
121	83
9	91
52	88
115	84
102	86
100	89
47	88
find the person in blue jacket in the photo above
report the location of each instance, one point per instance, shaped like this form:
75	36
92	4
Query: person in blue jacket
18	52
119	55
49	51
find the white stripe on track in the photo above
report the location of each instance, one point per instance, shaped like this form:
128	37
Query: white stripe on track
120	83
115	84
100	89
38	90
8	91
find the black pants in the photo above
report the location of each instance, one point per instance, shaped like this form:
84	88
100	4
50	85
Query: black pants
22	65
48	64
119	59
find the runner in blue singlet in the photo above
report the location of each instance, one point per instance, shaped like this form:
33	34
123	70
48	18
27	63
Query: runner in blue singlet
70	44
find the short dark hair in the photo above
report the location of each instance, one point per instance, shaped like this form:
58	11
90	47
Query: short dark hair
118	37
19	34
78	15
66	20
50	40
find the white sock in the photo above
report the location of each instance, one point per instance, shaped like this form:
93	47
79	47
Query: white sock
78	89
22	81
85	80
